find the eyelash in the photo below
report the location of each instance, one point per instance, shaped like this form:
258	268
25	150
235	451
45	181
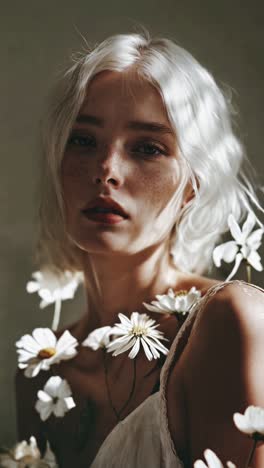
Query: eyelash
84	141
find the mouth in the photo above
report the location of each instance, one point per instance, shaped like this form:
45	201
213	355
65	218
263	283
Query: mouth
105	210
104	215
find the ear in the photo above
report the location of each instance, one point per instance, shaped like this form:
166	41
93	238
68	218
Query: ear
188	194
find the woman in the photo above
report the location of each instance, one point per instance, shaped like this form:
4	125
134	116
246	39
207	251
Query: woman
142	170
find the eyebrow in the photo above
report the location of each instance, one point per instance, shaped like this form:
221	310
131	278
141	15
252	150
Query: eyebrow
155	127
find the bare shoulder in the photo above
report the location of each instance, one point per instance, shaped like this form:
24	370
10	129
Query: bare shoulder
234	299
220	355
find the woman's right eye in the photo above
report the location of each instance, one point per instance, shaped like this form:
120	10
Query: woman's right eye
81	140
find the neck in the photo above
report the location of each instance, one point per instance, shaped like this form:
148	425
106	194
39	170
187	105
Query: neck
121	283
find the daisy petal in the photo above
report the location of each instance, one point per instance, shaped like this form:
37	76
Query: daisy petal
134	351
234	228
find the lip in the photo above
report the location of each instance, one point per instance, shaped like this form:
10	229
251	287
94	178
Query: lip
104	202
104	218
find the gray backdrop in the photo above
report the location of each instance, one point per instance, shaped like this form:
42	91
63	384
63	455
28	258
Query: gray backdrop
36	37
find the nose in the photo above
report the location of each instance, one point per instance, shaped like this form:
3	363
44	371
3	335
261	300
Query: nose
108	169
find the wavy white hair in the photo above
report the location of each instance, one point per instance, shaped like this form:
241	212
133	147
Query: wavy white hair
201	116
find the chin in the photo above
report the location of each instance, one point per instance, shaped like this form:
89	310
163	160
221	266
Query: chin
101	244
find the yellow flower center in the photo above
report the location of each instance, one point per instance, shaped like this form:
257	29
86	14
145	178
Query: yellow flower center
138	331
182	292
46	353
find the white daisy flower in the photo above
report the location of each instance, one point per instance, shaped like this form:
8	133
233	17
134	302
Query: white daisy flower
56	398
98	338
136	331
27	455
243	247
42	349
24	449
174	302
51	286
212	461
251	422
54	288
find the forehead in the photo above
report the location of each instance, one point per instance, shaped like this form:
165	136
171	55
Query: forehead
125	92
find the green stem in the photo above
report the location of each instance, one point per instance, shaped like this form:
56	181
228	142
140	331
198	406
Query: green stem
132	388
56	317
248	273
250	457
108	386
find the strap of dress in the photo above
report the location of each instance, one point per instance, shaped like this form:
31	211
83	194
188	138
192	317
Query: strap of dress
176	349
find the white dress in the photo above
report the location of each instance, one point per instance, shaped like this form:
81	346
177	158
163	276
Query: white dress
143	439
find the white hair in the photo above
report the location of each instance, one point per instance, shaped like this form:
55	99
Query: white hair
201	116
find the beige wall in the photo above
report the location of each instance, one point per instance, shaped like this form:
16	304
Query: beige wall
36	37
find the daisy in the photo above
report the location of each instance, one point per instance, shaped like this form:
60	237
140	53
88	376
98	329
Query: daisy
42	349
54	398
174	302
251	422
51	286
243	247
98	338
27	455
54	288
212	461
136	331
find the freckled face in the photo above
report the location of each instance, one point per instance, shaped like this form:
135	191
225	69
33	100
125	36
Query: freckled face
121	146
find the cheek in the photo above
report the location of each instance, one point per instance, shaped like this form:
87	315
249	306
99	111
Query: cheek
160	186
75	177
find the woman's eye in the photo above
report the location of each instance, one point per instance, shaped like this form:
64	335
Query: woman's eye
81	140
149	149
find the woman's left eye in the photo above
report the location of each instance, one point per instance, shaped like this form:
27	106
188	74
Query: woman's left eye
81	140
148	149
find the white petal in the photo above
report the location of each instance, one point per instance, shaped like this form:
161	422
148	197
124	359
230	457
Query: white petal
32	286
125	320
134	351
230	464
254	260
43	304
135	319
254	240
44	337
158	345
212	459
199	464
69	402
125	348
64	390
45	410
44	397
153	350
28	342
148	354
248	224
242	423
234	228
226	252
119	342
52	385
98	338
32	370
153	308
66	347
